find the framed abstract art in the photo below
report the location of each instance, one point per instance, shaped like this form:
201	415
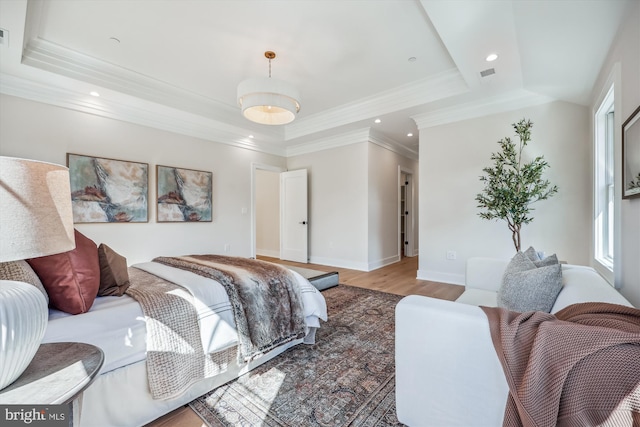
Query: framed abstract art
108	190
184	195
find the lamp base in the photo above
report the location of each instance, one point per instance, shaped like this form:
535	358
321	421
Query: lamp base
23	319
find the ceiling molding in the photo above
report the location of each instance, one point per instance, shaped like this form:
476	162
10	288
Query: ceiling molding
392	145
509	101
342	140
155	116
42	54
427	90
57	59
352	137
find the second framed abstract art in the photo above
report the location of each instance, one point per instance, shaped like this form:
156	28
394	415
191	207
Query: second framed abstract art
184	195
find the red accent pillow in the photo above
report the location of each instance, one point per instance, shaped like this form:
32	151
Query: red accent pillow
72	279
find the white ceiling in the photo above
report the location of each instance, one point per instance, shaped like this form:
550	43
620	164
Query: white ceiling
175	64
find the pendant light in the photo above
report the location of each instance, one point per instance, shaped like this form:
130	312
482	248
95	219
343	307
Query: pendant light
268	101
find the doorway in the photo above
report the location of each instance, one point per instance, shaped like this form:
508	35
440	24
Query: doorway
279	213
406	213
266	212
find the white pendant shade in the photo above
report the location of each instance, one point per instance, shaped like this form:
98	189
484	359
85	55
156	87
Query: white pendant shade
268	101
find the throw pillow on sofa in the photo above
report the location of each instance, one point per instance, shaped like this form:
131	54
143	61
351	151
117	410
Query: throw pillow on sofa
526	287
534	256
71	278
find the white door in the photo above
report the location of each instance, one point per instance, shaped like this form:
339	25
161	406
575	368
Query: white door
293	216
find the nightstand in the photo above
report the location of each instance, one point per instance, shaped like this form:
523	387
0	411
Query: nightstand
58	374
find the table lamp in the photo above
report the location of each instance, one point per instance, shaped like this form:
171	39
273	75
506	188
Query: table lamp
36	220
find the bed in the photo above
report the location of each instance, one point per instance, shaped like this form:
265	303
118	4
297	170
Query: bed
120	326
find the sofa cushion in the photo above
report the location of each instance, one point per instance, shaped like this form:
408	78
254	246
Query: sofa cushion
474	296
114	274
71	278
21	271
526	287
584	284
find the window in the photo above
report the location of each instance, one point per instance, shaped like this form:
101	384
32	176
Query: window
604	182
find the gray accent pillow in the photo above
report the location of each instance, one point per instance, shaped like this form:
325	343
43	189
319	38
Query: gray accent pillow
533	255
21	271
526	287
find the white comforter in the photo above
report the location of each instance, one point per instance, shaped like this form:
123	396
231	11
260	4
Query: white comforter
117	325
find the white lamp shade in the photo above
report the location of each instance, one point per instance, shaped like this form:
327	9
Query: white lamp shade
36	216
268	101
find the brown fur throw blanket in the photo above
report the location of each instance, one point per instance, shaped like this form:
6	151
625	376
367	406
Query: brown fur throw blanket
579	367
266	301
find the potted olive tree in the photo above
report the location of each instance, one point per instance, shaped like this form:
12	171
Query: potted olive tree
511	186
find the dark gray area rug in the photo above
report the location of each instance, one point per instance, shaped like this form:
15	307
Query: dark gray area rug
346	379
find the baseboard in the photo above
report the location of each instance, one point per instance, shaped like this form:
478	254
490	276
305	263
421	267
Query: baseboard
438	276
383	262
332	262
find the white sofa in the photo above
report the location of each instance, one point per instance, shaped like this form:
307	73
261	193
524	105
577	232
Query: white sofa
447	370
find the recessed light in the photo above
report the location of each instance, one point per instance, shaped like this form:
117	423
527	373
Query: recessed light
94	93
412	59
251	136
377	121
492	57
409	134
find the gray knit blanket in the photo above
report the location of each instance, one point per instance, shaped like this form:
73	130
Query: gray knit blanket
175	356
265	298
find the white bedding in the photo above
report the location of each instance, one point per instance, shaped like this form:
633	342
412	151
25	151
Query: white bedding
117	325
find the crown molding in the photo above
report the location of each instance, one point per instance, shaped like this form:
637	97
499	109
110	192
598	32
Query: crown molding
184	123
443	85
141	113
392	145
336	141
352	137
42	54
509	101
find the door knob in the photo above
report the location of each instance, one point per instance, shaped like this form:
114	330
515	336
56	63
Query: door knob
303	223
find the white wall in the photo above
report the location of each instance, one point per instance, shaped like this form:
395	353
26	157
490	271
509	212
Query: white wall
625	52
451	160
384	212
43	132
337	205
353	204
267	213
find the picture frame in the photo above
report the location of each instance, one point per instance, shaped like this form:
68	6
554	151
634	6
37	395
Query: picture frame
183	195
631	156
108	190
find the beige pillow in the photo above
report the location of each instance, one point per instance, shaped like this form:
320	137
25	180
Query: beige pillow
21	271
114	274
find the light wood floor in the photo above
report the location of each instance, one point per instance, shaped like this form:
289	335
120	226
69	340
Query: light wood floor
398	278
